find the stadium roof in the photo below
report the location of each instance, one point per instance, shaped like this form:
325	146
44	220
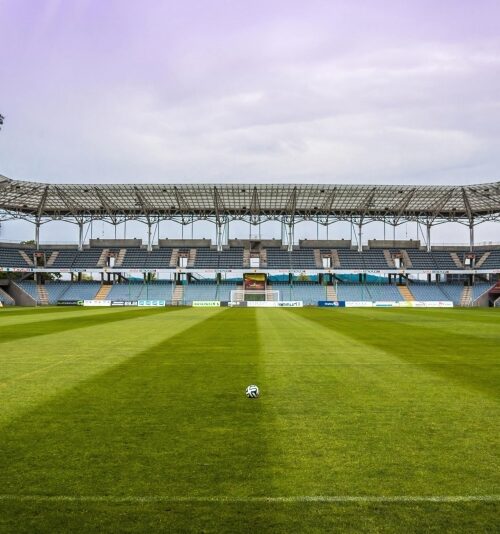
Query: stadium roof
322	202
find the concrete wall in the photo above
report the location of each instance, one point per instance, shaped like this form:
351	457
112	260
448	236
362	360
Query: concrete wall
263	243
185	243
325	243
115	243
22	298
389	243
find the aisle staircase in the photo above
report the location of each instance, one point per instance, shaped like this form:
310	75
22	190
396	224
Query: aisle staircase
103	258
456	260
120	257
52	258
263	258
173	258
466	296
178	295
43	297
103	292
246	258
191	257
406	293
26	258
389	259
335	259
331	294
317	259
406	259
482	259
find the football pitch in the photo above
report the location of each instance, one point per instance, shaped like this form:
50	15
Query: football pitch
137	421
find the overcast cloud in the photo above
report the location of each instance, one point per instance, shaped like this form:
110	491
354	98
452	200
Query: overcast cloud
264	91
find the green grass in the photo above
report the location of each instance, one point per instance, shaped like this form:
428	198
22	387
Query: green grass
136	420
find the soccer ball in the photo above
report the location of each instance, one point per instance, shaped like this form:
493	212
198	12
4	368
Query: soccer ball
252	392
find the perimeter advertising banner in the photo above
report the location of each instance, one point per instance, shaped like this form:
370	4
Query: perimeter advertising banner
331	303
268	304
206	303
254	281
97	303
150	303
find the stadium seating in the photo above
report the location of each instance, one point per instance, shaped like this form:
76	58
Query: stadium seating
308	292
232	258
425	291
278	258
493	260
207	258
208	291
80	290
29	287
157	290
5	299
10	257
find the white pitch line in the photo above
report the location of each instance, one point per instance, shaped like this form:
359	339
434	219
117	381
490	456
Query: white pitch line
283	499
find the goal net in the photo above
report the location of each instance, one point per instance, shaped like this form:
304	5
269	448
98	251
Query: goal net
242	295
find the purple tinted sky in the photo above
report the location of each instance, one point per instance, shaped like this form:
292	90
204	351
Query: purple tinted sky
212	90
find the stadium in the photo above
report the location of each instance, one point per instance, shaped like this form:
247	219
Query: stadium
249	267
124	364
247	272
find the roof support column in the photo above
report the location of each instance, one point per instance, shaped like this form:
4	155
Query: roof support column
291	228
471	235
150	247
429	237
220	230
37	233
80	235
360	236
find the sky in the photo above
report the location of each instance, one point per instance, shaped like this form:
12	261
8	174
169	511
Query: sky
354	91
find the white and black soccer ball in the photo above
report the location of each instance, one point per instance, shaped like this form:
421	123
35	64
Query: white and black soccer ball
252	392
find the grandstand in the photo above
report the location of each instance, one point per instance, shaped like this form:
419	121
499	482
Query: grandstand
180	271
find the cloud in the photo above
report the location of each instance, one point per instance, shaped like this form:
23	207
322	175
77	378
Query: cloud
251	91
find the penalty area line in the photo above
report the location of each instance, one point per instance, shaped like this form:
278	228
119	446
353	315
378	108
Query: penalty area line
257	499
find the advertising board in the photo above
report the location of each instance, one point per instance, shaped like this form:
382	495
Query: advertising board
331	303
151	303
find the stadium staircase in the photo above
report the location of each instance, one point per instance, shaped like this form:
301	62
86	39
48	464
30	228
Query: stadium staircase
335	259
52	258
406	259
466	297
389	259
331	294
191	258
178	295
26	258
456	260
102	261
263	258
121	257
317	259
174	257
482	259
43	296
246	258
406	293
103	292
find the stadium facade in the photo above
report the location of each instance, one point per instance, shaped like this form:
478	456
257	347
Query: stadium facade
183	270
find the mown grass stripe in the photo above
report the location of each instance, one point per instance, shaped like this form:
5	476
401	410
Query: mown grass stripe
15	332
254	499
